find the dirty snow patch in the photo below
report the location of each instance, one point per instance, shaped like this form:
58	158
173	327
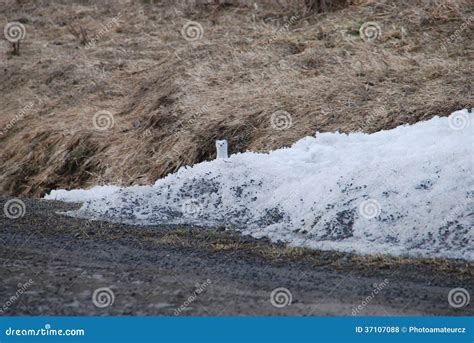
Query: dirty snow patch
407	191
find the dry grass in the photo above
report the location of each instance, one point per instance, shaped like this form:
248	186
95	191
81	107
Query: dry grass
231	242
171	98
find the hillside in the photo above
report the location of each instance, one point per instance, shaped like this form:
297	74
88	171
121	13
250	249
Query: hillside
129	99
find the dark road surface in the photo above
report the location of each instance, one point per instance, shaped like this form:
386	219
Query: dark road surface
158	270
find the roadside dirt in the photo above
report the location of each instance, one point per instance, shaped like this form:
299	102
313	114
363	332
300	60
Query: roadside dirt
158	270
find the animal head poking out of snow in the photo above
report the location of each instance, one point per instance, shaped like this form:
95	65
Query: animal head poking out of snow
221	148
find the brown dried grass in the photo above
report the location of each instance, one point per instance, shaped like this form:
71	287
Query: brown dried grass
172	98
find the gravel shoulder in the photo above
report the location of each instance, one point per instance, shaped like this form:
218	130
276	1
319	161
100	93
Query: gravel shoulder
162	270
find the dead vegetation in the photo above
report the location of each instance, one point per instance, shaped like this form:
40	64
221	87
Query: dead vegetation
229	241
170	98
80	34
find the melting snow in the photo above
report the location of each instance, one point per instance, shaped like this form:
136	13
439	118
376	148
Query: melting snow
406	191
81	195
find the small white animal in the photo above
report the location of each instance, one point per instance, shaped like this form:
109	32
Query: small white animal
221	148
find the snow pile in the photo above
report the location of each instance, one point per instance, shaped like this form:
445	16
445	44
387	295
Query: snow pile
81	195
406	191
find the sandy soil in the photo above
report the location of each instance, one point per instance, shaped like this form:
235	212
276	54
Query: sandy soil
154	271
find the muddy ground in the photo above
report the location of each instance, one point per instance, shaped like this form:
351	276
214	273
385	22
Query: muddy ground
157	270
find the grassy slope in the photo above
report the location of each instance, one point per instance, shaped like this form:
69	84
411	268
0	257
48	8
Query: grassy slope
172	98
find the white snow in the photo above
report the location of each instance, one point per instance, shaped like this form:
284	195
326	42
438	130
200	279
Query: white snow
81	195
406	191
